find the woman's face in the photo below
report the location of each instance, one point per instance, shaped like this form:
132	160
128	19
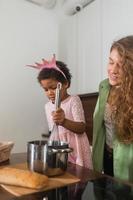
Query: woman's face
115	68
49	86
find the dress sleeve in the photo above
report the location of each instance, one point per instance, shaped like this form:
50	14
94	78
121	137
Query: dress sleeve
77	109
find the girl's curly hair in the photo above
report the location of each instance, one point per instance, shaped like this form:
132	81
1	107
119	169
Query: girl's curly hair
47	73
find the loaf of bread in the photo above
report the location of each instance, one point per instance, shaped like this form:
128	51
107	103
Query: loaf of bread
23	178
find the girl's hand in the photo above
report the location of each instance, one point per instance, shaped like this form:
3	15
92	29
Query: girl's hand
60	119
58	116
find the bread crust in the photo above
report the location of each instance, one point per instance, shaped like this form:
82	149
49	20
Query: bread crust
23	178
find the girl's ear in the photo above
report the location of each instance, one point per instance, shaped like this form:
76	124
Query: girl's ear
66	85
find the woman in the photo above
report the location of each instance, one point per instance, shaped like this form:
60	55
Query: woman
113	116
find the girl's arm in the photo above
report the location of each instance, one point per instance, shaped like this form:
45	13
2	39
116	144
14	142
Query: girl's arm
76	127
77	124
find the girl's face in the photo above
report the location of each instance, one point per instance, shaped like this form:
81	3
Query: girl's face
114	68
50	85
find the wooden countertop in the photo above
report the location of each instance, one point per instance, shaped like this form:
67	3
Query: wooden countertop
83	173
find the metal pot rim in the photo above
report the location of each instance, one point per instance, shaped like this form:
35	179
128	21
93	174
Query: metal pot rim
51	144
58	144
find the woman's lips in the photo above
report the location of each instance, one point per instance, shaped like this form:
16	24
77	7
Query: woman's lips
113	77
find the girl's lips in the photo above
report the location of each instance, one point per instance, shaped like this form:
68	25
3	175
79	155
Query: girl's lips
52	99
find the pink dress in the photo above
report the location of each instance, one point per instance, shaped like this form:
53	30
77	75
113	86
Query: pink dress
73	109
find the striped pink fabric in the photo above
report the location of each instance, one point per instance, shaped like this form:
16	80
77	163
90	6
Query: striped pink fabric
73	109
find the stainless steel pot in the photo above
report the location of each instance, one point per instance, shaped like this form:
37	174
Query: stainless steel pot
48	157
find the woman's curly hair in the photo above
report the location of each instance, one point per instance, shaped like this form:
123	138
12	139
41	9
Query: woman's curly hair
124	98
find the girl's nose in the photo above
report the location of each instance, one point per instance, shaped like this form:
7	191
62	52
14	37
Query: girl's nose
50	92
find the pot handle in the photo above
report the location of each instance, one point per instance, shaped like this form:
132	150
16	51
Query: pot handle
66	150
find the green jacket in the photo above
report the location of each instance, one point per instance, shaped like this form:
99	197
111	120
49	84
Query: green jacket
122	153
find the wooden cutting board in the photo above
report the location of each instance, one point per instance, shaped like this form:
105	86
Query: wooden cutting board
54	182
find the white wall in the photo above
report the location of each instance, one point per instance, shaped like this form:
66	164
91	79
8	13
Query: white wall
85	39
80	47
117	22
27	33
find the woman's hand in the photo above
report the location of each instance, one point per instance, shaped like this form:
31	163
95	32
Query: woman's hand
58	116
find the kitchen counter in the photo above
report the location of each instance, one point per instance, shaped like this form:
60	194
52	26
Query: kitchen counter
92	185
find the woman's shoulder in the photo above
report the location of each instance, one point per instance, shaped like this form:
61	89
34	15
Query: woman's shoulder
104	83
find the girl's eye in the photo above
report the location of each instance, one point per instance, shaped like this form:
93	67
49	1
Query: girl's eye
53	88
45	89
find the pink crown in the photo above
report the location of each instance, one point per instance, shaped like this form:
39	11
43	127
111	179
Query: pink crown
48	64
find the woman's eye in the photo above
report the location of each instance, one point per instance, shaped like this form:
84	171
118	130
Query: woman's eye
110	61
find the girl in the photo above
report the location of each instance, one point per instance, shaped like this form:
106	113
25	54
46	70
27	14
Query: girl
70	116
